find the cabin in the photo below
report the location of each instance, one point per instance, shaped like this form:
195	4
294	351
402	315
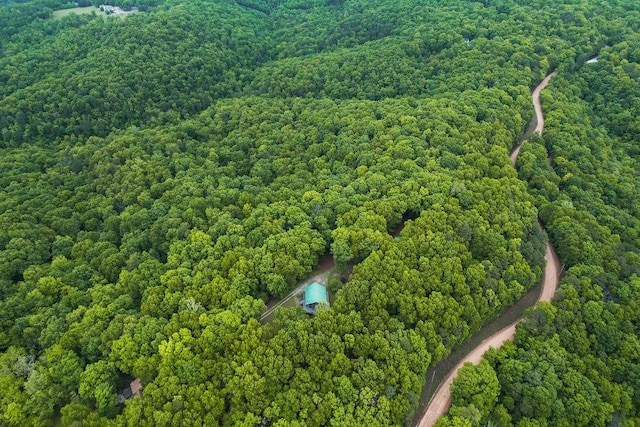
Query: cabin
314	294
134	389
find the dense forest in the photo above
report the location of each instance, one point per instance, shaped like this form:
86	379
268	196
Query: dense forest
579	358
166	175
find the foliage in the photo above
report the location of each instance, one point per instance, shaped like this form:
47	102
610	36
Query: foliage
573	362
165	175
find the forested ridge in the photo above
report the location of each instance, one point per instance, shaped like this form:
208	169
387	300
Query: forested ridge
165	174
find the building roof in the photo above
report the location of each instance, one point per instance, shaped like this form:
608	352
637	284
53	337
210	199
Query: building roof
134	389
315	293
136	386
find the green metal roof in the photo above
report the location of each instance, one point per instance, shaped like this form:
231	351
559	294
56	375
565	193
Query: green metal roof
315	293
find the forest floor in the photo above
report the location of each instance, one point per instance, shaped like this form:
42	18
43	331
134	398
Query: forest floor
441	400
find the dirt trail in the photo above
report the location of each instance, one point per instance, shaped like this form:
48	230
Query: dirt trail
539	117
441	400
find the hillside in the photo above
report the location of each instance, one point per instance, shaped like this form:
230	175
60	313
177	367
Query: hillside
166	174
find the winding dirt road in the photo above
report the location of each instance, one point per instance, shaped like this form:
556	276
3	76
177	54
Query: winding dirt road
441	400
539	118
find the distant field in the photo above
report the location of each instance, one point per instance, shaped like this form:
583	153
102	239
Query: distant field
59	14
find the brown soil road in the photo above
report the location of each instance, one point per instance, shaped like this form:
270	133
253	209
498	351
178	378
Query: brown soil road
539	118
441	400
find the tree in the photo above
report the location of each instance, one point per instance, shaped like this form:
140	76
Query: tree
97	387
476	386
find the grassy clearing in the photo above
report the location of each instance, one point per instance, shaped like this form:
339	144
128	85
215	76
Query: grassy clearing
59	14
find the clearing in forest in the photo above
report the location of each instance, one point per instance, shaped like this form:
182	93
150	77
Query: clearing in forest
322	274
59	14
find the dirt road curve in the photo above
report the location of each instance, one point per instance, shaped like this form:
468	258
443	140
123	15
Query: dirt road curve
538	109
551	275
536	101
441	400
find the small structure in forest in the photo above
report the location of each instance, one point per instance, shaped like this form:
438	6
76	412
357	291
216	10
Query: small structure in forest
116	10
314	294
134	389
